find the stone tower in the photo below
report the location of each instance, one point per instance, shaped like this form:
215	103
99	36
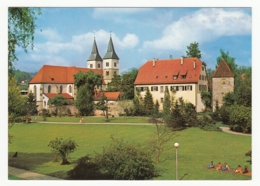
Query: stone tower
110	63
94	60
222	83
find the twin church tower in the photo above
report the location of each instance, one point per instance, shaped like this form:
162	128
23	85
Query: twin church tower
109	65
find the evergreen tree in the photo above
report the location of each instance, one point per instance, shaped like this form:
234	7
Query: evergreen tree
102	105
127	84
156	108
166	102
193	50
176	120
148	102
138	105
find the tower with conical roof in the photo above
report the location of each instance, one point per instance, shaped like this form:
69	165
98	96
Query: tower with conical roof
94	60
110	63
222	83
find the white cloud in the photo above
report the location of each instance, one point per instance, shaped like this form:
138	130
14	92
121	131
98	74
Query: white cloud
204	25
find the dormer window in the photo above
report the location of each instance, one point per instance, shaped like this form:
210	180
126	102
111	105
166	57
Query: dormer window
183	76
175	76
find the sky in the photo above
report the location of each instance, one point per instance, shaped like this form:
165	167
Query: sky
64	36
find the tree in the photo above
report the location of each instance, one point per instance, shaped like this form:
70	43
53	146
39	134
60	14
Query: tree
102	105
166	102
148	102
176	120
229	60
156	108
21	28
30	107
138	105
241	118
206	97
124	161
115	84
62	148
58	101
127	83
85	83
193	50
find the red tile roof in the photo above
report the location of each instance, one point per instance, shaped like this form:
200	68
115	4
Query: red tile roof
111	96
222	70
164	70
52	95
59	74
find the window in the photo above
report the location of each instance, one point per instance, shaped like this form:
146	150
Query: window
161	100
174	88
44	103
183	76
161	89
199	87
114	72
145	89
189	88
138	89
61	89
107	64
98	65
175	77
200	77
70	89
91	65
202	68
155	88
114	64
49	89
107	73
180	88
34	90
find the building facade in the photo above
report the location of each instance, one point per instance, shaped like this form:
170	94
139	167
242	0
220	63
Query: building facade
53	80
222	83
187	76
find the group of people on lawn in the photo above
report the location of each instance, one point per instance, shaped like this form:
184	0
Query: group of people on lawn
224	167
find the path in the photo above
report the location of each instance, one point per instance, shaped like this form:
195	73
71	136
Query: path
28	175
226	129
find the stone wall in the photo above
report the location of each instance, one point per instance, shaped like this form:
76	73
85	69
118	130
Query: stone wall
221	86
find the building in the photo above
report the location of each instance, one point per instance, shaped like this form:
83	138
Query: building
187	76
222	83
53	80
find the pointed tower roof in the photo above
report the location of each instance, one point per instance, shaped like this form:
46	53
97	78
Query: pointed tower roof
111	54
94	56
222	70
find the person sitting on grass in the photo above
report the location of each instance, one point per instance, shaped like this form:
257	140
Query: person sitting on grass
239	170
245	170
211	165
219	167
225	167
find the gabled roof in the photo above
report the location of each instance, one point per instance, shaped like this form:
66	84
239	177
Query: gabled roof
111	54
111	96
94	56
164	70
52	95
59	74
222	70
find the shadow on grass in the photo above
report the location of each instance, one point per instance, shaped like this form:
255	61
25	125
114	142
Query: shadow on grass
28	161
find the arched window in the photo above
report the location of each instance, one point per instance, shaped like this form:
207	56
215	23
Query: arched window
34	90
70	89
44	104
49	89
61	89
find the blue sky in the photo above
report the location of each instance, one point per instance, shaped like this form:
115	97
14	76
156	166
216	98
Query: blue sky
64	36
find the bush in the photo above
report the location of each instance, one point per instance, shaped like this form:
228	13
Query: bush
45	114
224	113
241	118
55	112
62	148
208	124
68	112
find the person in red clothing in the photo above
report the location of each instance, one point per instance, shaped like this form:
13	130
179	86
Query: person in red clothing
245	170
239	170
219	166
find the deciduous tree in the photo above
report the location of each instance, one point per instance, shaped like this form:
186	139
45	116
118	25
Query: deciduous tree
193	50
58	101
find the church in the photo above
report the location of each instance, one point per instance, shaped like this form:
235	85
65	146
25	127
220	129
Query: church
52	80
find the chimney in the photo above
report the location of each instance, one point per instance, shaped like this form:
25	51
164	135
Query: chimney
194	64
181	60
153	62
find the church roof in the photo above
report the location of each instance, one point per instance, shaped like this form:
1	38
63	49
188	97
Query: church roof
222	70
94	56
59	74
111	54
162	71
52	95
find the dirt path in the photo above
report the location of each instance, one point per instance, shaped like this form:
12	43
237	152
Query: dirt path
28	175
226	129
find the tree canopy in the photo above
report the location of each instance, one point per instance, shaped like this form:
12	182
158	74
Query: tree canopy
193	50
21	28
228	59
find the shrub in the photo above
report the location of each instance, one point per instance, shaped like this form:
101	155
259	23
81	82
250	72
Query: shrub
241	118
208	124
45	114
62	148
55	112
224	113
68	112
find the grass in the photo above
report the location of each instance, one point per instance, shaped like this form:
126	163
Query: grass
197	149
11	177
94	119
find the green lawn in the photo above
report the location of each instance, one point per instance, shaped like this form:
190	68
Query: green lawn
91	119
197	149
11	177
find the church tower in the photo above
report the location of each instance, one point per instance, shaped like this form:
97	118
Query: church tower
110	63
94	60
